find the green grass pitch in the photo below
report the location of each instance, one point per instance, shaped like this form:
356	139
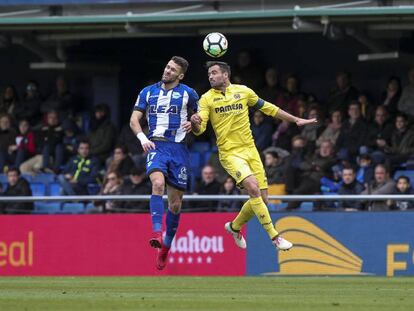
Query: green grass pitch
206	293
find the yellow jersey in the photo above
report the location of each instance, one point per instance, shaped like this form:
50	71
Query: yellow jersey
228	113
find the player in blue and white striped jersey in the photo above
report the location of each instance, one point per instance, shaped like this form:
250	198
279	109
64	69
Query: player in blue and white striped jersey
167	105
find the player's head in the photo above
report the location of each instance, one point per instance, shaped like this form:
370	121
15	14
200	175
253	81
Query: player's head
218	74
175	70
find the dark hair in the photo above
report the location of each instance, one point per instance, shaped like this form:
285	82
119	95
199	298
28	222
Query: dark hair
224	67
84	141
123	148
401	115
407	179
365	156
14	169
182	62
103	108
137	171
273	154
354	103
348	167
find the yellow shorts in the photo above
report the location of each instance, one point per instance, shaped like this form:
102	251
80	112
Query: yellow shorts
243	162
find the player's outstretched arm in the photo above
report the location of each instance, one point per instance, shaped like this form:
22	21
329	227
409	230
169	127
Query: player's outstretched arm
146	144
285	116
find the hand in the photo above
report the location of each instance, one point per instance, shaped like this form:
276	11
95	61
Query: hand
186	126
381	143
196	119
68	176
12	148
147	146
302	122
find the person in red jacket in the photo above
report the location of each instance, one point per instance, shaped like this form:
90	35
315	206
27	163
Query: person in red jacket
25	147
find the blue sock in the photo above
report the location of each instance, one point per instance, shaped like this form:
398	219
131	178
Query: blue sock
156	209
172	225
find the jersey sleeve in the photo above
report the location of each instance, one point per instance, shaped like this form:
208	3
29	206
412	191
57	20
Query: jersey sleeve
204	113
142	101
193	100
256	102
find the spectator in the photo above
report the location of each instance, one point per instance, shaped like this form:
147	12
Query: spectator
271	91
391	96
8	100
289	99
136	184
111	186
25	147
103	133
7	139
61	100
208	185
353	131
127	138
229	188
380	131
365	172
246	72
80	170
402	188
284	135
16	186
29	108
382	184
333	129
50	143
405	104
350	186
402	142
312	131
311	172
120	161
262	131
342	94
367	108
274	168
70	138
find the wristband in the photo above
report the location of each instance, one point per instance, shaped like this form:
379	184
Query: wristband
142	138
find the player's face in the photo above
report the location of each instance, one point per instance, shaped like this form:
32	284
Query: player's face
172	73
217	77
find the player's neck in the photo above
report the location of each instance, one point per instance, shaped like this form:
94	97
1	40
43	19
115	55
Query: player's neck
169	86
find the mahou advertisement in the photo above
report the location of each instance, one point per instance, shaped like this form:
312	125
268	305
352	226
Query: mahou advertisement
115	245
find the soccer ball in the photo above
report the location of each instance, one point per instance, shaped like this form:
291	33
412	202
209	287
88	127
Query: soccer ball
215	44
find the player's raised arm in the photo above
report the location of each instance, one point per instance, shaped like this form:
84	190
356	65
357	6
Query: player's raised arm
272	110
199	120
285	116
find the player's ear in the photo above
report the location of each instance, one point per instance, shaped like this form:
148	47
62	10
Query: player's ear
181	76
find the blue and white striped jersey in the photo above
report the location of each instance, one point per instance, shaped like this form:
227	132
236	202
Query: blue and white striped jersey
167	110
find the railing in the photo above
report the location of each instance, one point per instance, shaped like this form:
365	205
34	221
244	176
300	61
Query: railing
207	198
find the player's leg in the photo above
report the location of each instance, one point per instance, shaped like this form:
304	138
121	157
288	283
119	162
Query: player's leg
175	197
156	170
157	207
176	184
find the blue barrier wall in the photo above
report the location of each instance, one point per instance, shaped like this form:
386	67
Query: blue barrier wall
335	244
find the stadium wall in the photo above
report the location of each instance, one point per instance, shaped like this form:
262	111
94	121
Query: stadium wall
339	243
114	245
105	245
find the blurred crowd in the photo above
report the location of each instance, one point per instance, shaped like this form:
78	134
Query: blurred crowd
357	146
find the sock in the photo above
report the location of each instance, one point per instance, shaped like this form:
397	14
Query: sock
172	221
262	213
156	209
245	214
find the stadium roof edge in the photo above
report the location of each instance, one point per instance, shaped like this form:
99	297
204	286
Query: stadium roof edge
213	15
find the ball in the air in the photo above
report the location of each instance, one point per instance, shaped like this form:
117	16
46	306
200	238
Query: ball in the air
215	44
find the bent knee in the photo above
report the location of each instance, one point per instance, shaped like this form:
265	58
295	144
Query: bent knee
158	186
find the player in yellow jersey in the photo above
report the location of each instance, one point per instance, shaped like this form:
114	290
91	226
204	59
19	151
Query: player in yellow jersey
226	105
